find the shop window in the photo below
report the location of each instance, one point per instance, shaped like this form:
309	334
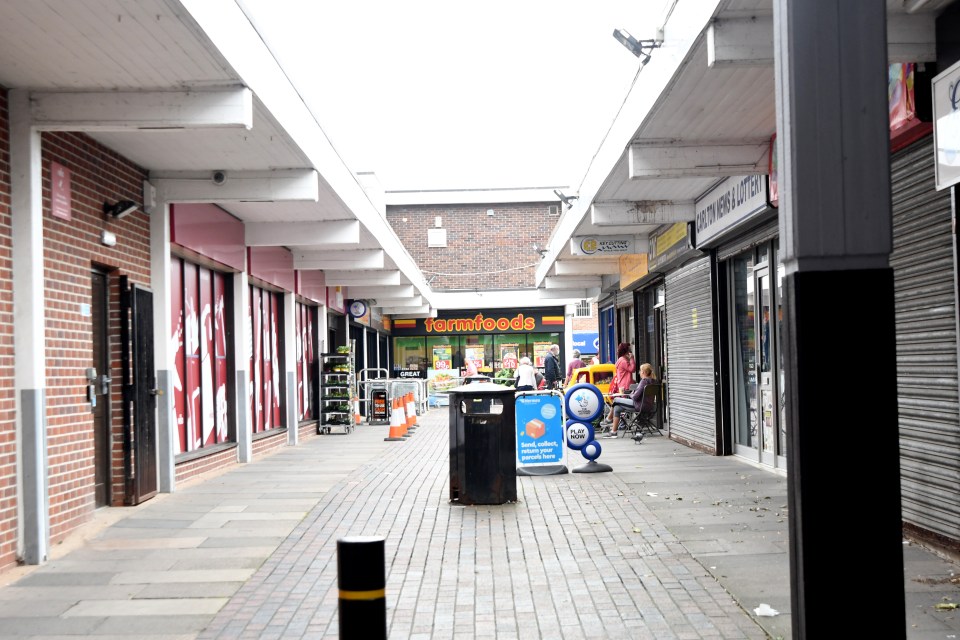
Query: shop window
199	315
266	367
306	362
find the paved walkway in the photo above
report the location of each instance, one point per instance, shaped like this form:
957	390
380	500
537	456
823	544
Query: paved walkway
672	544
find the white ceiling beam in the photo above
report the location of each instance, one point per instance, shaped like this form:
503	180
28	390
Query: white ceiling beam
327	233
133	110
408	311
648	212
360	278
279	185
571	282
586	267
740	42
358	259
412	301
658	159
362	292
912	37
567	294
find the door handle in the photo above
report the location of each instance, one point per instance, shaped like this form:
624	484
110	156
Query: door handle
105	381
156	392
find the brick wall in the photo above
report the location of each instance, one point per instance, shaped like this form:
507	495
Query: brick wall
8	427
489	252
71	250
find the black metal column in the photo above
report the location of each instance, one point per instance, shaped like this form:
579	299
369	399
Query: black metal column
840	349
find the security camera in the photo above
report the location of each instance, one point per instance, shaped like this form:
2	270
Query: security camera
120	209
219	177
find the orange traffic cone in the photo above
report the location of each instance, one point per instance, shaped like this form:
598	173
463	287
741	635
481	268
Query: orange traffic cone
411	410
401	418
396	430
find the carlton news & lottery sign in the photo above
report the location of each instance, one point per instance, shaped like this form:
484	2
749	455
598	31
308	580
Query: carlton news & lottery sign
729	203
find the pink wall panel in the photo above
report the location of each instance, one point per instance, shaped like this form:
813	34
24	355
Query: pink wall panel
271	264
312	286
210	231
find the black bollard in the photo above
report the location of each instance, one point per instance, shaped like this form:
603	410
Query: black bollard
362	581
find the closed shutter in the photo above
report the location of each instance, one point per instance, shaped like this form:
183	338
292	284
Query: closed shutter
624	299
690	384
923	271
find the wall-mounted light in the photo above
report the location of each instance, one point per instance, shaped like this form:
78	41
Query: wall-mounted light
567	200
108	239
639	48
120	209
490	212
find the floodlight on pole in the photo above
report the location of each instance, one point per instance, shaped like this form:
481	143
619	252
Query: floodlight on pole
639	48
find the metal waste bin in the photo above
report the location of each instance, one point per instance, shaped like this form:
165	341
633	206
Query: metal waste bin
483	448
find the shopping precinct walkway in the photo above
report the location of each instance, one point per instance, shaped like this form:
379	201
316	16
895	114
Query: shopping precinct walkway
672	544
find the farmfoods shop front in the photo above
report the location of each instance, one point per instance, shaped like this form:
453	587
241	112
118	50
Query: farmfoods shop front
457	343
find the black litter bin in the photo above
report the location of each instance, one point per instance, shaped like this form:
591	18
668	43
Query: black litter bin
483	448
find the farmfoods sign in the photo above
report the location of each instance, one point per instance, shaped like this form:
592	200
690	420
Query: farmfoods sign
501	321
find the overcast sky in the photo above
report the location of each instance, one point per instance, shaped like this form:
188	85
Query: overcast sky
460	95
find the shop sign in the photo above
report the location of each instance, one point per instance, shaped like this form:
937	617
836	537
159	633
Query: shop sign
731	202
479	323
632	268
472	321
409	373
335	298
946	127
668	244
59	191
602	245
588	342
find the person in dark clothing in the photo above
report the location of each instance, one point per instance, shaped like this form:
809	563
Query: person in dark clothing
552	372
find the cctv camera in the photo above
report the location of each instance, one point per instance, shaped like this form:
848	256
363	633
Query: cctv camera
120	209
219	177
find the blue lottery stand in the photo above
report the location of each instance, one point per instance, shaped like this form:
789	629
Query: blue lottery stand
584	403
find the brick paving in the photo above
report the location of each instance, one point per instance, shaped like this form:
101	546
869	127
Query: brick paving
663	547
577	556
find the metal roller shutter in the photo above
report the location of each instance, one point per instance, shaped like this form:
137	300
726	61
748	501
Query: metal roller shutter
690	385
758	235
624	298
925	294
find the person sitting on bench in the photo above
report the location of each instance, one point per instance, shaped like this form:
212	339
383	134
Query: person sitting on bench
635	402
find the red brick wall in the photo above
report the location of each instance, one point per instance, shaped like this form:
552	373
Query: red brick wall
498	247
71	249
8	427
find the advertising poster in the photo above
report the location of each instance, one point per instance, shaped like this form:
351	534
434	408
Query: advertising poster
508	356
540	350
474	355
442	357
540	434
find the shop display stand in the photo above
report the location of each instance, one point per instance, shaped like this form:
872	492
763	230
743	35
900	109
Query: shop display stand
338	388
